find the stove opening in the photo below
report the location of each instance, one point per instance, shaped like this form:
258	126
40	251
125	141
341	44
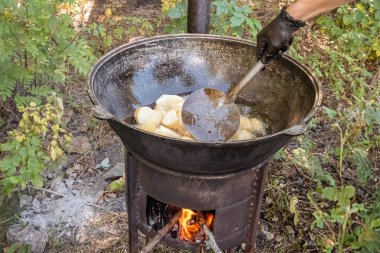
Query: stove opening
187	228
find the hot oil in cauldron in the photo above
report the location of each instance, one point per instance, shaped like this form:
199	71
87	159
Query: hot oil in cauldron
248	110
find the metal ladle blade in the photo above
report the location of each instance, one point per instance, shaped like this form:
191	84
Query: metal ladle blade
211	115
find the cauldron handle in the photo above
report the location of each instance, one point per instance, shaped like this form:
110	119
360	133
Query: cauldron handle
198	16
296	130
100	113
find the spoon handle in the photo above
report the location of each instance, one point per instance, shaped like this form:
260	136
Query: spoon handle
235	91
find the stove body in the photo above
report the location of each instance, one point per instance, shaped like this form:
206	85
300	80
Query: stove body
235	199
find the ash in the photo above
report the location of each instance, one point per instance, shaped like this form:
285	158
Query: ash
59	214
68	208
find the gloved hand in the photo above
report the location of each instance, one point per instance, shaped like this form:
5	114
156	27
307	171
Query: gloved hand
276	37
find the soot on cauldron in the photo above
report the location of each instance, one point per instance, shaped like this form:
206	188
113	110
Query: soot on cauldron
133	76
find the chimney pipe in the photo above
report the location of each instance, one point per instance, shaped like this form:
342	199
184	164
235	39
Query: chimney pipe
198	18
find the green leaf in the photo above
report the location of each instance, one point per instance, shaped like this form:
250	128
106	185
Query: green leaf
16	159
357	207
37	181
375	223
221	8
344	195
31	151
14	180
6	164
34	164
373	116
323	176
330	112
5	147
279	155
117	185
337	215
236	21
20	248
318	220
363	165
347	19
376	5
175	13
23	151
329	193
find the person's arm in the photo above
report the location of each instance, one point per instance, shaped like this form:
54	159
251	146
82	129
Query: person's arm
276	37
306	9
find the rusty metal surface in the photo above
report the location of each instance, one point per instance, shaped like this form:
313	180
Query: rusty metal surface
235	198
132	202
133	75
196	192
258	187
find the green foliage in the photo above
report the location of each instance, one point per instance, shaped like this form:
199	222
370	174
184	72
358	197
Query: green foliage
343	220
115	29
303	158
366	237
341	214
357	27
363	165
178	15
37	45
117	185
19	248
38	141
228	17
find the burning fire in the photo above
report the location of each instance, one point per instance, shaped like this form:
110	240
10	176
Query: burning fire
190	225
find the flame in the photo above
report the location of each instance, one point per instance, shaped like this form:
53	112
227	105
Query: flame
190	226
209	219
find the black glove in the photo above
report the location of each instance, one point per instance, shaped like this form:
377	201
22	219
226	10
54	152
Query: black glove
276	37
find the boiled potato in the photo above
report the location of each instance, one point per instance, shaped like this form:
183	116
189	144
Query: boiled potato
171	120
245	124
161	130
166	120
170	102
142	114
178	106
152	123
258	126
241	135
188	138
160	109
148	126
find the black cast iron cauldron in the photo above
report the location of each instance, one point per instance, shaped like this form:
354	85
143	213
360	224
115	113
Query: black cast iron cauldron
136	74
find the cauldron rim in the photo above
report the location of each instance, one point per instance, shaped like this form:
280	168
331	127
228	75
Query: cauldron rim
294	130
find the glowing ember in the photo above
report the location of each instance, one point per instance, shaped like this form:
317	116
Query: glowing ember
190	226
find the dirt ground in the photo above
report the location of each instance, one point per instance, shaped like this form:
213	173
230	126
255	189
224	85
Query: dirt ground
106	229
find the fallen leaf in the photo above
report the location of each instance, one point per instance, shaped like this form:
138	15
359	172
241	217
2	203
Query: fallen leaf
111	195
100	197
101	18
118	18
293	209
108	13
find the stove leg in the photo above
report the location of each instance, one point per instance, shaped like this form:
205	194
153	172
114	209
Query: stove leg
131	189
257	197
